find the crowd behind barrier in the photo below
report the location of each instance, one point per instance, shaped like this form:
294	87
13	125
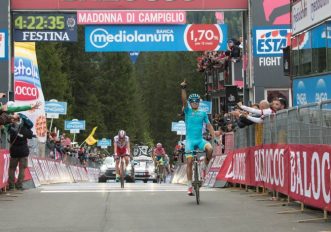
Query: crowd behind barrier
289	153
307	124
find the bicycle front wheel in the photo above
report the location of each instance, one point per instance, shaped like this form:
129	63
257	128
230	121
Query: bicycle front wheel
196	182
122	174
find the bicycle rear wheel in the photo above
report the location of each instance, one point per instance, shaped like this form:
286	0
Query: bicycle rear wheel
122	173
161	173
196	183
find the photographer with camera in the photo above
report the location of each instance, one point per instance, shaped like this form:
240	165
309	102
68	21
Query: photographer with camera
19	131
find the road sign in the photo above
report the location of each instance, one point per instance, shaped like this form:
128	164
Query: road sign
74	124
104	143
55	107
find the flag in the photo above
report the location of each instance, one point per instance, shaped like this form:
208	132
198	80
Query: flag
90	140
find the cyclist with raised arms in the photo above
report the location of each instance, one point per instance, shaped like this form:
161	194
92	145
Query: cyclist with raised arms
194	120
121	149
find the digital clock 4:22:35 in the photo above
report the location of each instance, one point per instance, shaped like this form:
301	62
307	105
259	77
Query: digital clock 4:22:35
39	22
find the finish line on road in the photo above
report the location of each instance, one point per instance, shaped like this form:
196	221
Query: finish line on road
115	188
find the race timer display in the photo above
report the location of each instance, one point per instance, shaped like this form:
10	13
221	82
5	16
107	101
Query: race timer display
42	21
46	27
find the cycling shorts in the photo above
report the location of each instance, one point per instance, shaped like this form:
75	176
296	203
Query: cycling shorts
191	145
121	151
158	158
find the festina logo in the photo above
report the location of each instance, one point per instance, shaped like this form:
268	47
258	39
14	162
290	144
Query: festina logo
45	36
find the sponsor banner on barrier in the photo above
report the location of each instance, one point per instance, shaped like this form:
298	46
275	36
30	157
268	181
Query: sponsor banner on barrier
180	175
56	178
131	17
309	175
191	37
38	171
212	170
300	171
93	174
33	173
229	142
44	168
4	167
268	167
47	171
235	167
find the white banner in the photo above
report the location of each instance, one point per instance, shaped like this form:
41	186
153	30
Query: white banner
306	13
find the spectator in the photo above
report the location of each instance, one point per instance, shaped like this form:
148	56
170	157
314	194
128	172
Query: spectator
241	117
283	103
234	50
19	131
264	110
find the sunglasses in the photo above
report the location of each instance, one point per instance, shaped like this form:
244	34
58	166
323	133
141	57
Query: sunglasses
195	101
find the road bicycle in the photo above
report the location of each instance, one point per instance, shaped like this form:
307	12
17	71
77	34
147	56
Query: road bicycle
160	169
196	180
122	170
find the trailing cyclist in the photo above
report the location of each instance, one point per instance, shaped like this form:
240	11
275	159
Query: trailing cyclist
121	149
159	156
194	121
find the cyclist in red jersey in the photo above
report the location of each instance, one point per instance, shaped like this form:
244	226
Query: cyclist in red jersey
158	152
121	149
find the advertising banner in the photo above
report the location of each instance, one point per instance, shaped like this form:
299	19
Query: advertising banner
128	4
309	175
33	172
52	107
46	27
270	40
311	90
27	86
38	171
306	13
270	167
192	37
4	167
3	44
131	17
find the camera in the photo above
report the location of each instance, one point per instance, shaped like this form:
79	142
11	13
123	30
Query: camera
2	95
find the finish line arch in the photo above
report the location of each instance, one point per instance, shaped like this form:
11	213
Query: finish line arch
58	5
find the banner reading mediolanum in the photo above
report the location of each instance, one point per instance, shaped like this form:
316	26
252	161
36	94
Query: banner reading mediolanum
27	86
148	38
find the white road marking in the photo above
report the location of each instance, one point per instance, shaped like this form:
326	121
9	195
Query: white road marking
115	188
